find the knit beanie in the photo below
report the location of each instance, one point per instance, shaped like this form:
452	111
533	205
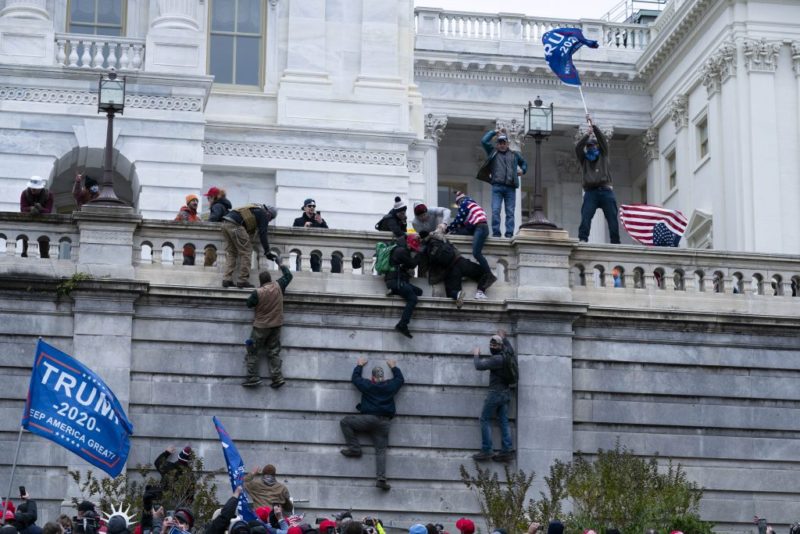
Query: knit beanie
420	208
186	516
466	526
191	197
185	455
459	196
262	512
399	205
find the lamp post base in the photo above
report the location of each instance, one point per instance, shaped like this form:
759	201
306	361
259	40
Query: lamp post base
538	222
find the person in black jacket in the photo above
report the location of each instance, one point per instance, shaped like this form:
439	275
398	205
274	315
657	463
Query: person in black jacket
174	474
598	190
313	219
377	409
222	521
239	228
497	400
398	280
220	205
396	220
26	515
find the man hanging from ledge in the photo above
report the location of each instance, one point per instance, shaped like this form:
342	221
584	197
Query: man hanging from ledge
265	338
239	228
592	153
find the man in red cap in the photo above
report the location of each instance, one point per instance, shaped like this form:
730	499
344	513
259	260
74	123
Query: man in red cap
465	526
327	527
219	205
404	258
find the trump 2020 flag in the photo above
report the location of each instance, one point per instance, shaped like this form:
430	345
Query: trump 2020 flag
72	406
653	225
559	45
235	470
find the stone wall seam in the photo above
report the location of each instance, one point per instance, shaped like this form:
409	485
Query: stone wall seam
304	153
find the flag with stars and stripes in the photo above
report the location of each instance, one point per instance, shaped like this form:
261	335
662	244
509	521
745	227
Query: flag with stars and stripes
653	225
70	405
236	471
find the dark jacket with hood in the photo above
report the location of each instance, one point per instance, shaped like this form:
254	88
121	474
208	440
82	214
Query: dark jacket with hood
390	222
220	523
402	261
494	364
377	398
220	209
25	517
595	173
171	470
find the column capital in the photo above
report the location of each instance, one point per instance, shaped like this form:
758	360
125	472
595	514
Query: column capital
650	144
679	111
515	131
761	55
796	57
434	127
583	129
720	66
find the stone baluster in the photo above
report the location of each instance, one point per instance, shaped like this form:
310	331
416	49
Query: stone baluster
136	62
73	53
111	61
86	57
61	55
786	287
124	57
98	60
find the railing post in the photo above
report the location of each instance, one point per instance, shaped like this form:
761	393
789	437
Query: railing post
106	239
511	26
543	267
428	20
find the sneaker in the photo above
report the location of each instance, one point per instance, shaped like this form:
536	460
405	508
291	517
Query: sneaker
503	456
252	382
351	453
487	280
482	456
227	283
277	383
509	236
243	285
460	299
480	295
382	484
403	329
496	235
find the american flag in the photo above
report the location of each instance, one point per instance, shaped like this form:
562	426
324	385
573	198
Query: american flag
653	225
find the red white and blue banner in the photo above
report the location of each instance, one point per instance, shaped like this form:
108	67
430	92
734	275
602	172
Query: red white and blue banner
653	225
559	46
72	406
236	471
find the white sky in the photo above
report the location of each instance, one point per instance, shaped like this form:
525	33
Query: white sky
571	9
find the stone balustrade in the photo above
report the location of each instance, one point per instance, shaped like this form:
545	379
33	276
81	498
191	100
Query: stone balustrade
99	52
158	249
508	27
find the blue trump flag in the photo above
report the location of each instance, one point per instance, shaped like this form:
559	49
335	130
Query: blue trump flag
70	405
559	45
235	470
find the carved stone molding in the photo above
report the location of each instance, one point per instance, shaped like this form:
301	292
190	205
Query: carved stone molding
56	96
650	144
434	127
414	165
796	57
583	129
515	131
761	56
304	153
719	67
679	111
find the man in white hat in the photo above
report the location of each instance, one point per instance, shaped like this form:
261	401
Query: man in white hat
36	198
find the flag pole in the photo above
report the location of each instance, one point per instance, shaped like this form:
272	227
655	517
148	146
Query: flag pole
13	468
585	109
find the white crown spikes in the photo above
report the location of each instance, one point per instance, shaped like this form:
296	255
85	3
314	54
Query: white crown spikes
122	514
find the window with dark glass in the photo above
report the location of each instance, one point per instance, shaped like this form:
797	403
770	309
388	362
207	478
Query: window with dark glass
235	41
96	17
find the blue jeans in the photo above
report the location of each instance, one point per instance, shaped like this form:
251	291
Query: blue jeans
478	240
500	194
410	293
496	402
602	198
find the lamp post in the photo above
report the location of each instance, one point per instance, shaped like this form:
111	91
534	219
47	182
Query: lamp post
111	100
539	125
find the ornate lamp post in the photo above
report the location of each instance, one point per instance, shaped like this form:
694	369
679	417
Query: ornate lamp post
111	100
539	125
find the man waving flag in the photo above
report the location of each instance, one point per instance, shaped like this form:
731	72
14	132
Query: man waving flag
559	45
653	225
236	471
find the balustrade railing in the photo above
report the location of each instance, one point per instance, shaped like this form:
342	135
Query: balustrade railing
494	27
46	237
99	52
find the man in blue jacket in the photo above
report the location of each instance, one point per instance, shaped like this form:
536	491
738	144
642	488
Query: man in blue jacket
377	409
502	168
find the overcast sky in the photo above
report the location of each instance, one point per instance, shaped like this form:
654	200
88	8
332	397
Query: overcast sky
572	9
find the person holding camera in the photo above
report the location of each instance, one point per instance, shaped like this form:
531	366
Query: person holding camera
265	338
25	515
377	410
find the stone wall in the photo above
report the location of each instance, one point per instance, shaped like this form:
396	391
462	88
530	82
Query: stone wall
677	363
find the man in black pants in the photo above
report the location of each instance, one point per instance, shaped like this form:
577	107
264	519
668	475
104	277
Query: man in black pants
398	280
377	409
598	190
447	263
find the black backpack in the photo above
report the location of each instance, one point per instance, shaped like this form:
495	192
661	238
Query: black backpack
510	371
441	252
383	224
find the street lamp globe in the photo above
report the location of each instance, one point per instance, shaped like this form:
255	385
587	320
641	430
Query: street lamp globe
111	94
538	119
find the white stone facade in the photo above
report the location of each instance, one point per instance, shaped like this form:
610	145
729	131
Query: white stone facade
359	101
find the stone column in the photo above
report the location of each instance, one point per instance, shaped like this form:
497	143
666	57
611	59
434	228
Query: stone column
764	216
434	131
27	33
651	154
380	45
306	49
176	40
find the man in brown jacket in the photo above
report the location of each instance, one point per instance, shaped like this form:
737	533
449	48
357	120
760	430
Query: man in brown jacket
265	339
265	490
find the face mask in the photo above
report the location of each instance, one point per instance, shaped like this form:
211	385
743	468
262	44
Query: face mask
94	189
495	350
592	154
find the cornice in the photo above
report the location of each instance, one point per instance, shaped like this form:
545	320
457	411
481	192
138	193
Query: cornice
670	35
89	98
525	76
304	153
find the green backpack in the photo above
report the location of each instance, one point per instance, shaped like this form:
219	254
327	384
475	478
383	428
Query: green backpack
383	252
